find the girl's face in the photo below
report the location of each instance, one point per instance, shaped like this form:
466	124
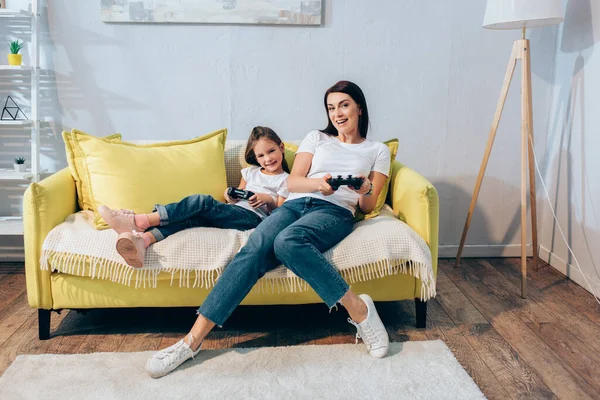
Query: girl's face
343	112
269	155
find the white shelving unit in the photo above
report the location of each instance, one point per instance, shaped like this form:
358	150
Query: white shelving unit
13	225
7	12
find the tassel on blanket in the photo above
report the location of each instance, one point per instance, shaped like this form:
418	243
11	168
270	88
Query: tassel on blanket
98	268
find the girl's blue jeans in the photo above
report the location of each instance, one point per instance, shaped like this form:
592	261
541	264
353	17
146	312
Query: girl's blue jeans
295	235
201	210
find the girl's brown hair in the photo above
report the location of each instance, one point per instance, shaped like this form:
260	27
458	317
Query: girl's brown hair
257	133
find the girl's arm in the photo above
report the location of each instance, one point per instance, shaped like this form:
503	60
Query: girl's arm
299	183
262	199
368	203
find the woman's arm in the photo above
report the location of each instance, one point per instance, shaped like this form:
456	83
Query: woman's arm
280	201
299	183
368	203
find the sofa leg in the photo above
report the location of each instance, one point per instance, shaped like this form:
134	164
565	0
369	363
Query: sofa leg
421	308
43	324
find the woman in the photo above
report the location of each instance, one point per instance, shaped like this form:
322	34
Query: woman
313	219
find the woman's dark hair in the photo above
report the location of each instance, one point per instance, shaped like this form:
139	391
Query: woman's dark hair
352	90
257	133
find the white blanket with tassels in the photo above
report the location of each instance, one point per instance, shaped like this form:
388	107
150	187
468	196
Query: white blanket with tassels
196	257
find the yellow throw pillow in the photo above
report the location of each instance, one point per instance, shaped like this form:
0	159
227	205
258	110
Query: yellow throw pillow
392	144
290	153
136	177
74	163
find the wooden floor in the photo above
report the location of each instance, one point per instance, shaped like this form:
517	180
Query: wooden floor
546	346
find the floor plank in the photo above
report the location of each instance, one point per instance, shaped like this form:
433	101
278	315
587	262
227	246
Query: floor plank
496	352
546	346
442	327
548	296
554	371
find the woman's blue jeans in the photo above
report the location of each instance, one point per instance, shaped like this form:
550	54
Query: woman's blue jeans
202	210
295	235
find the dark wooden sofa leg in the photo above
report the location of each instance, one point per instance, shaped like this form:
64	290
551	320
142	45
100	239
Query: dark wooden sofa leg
421	308
44	324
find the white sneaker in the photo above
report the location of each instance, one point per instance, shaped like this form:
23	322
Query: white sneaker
166	360
371	330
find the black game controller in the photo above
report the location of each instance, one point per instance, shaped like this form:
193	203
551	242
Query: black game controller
355	182
236	193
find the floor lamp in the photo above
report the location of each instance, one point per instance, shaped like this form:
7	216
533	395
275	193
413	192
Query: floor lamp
517	14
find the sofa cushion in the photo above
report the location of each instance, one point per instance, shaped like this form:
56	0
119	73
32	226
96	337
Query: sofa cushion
392	144
290	153
196	257
136	177
75	166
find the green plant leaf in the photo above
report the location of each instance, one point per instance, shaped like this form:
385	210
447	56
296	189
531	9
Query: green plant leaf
15	46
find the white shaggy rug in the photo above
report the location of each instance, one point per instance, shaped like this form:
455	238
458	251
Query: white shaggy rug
412	370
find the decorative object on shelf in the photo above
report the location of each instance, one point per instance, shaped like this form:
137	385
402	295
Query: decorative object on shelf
517	14
2	3
19	164
14	58
281	12
15	109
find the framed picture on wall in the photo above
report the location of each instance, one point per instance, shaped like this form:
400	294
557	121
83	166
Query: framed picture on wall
279	12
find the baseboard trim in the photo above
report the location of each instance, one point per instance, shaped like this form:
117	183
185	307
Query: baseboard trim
570	270
482	251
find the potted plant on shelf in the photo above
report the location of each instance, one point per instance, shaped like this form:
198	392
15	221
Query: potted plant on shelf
14	58
19	164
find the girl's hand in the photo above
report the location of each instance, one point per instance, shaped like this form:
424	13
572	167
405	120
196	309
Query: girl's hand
364	188
229	199
324	187
260	199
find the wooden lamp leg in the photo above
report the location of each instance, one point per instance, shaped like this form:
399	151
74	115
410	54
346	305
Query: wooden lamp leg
532	195
524	168
527	163
492	135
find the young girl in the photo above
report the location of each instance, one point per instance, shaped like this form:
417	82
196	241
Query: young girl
266	178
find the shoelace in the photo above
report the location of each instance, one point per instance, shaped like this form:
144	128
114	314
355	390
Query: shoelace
176	350
139	235
366	333
122	213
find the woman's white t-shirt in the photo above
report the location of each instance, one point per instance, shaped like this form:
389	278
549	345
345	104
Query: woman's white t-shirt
259	182
331	156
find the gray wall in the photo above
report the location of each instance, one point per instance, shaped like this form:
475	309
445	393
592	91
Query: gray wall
431	74
571	164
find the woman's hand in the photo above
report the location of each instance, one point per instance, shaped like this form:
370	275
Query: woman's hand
365	187
260	199
324	186
228	199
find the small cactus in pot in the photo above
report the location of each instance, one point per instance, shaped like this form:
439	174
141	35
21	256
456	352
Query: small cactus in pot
19	164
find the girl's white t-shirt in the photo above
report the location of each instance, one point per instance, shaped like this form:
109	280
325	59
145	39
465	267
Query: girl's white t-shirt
331	156
259	182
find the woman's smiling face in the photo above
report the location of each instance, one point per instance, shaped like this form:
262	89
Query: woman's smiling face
343	112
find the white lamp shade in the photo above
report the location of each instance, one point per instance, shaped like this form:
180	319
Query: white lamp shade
515	14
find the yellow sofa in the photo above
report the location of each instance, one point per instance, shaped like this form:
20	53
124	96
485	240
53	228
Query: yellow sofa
46	204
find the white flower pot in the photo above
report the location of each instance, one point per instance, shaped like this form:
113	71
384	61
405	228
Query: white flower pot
19	167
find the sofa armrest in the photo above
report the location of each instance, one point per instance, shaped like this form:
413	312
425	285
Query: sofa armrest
415	201
45	205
